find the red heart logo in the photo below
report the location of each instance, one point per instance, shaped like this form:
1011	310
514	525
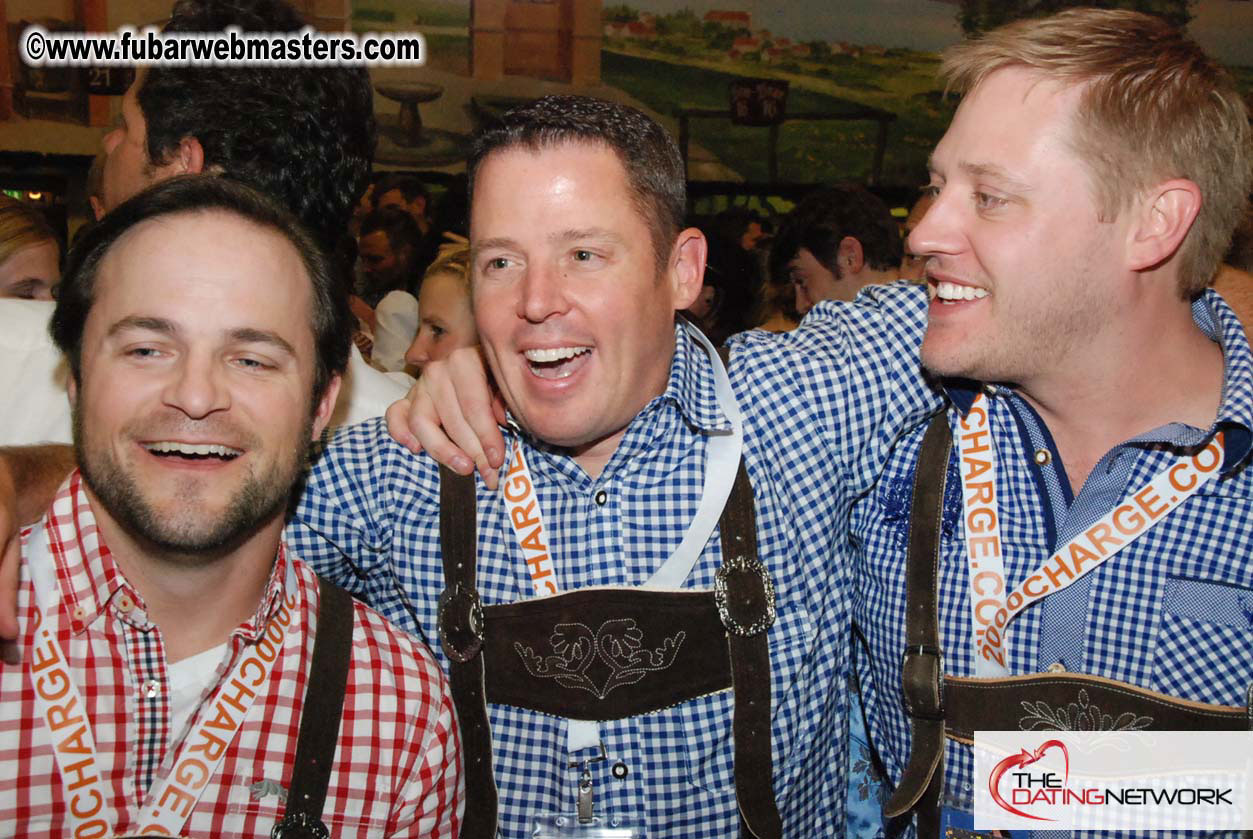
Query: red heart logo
1024	758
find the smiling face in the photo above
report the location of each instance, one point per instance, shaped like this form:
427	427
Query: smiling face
31	273
574	319
193	408
1016	251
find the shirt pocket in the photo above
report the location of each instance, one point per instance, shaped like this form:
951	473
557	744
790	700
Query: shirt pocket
709	743
1205	642
264	815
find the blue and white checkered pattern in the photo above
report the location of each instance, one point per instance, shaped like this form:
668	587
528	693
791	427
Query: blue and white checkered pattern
817	404
1173	612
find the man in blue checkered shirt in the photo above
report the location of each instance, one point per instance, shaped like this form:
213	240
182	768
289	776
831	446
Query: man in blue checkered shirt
580	263
1083	196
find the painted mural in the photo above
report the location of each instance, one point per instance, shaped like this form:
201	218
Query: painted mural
851	85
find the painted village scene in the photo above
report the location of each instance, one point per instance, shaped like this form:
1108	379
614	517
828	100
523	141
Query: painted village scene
839	92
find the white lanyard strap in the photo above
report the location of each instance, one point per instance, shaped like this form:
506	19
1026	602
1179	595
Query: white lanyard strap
723	453
60	705
172	798
990	609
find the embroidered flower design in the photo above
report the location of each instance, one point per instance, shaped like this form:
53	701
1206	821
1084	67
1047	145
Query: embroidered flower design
1077	716
617	645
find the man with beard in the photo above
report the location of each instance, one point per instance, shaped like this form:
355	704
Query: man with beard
176	655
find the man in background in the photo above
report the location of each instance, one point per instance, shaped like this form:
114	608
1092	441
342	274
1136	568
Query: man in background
836	242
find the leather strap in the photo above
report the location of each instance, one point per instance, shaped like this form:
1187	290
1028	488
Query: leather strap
750	669
458	536
922	669
318	739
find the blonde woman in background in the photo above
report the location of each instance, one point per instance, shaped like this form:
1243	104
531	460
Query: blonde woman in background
30	257
446	319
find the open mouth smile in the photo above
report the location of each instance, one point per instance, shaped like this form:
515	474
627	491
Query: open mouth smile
556	362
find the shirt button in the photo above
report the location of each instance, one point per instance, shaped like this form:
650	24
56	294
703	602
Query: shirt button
124	603
152	688
79	613
1042	457
601	497
1056	667
619	770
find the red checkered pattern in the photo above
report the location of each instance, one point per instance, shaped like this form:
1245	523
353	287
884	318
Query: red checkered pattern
398	767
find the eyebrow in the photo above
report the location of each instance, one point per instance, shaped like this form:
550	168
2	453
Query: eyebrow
985	170
244	334
572	234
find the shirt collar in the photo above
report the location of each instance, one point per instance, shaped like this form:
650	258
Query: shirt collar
691	385
89	579
1220	324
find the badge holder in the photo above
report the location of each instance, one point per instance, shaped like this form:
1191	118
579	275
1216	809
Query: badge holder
584	823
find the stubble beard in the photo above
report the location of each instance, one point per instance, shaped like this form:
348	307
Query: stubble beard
188	537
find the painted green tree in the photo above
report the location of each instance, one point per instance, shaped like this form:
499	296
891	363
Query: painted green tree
978	16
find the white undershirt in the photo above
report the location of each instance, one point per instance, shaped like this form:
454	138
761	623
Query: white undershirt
189	679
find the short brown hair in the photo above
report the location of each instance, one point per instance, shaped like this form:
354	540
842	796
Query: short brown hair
1155	107
647	152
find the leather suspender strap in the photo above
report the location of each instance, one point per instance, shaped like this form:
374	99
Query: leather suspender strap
749	595
319	719
921	666
461	636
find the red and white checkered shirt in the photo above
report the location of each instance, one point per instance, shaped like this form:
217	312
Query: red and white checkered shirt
398	767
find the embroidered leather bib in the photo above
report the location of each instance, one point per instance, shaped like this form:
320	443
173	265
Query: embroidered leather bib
610	653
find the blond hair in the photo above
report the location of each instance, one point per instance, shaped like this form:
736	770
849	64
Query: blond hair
453	258
1155	107
21	226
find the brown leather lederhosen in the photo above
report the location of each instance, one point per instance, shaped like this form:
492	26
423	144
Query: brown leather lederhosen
953	707
563	655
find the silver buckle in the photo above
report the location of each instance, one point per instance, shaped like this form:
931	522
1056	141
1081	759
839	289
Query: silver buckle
460	598
742	564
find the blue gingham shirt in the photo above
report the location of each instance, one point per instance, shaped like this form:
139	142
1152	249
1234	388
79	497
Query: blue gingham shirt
1172	612
369	519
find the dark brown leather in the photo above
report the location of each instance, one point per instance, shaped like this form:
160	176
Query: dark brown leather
1077	701
457	543
573	655
750	666
318	738
922	668
602	654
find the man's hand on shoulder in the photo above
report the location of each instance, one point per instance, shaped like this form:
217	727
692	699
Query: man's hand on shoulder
455	414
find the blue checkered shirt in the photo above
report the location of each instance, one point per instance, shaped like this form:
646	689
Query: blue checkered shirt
369	519
1172	612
